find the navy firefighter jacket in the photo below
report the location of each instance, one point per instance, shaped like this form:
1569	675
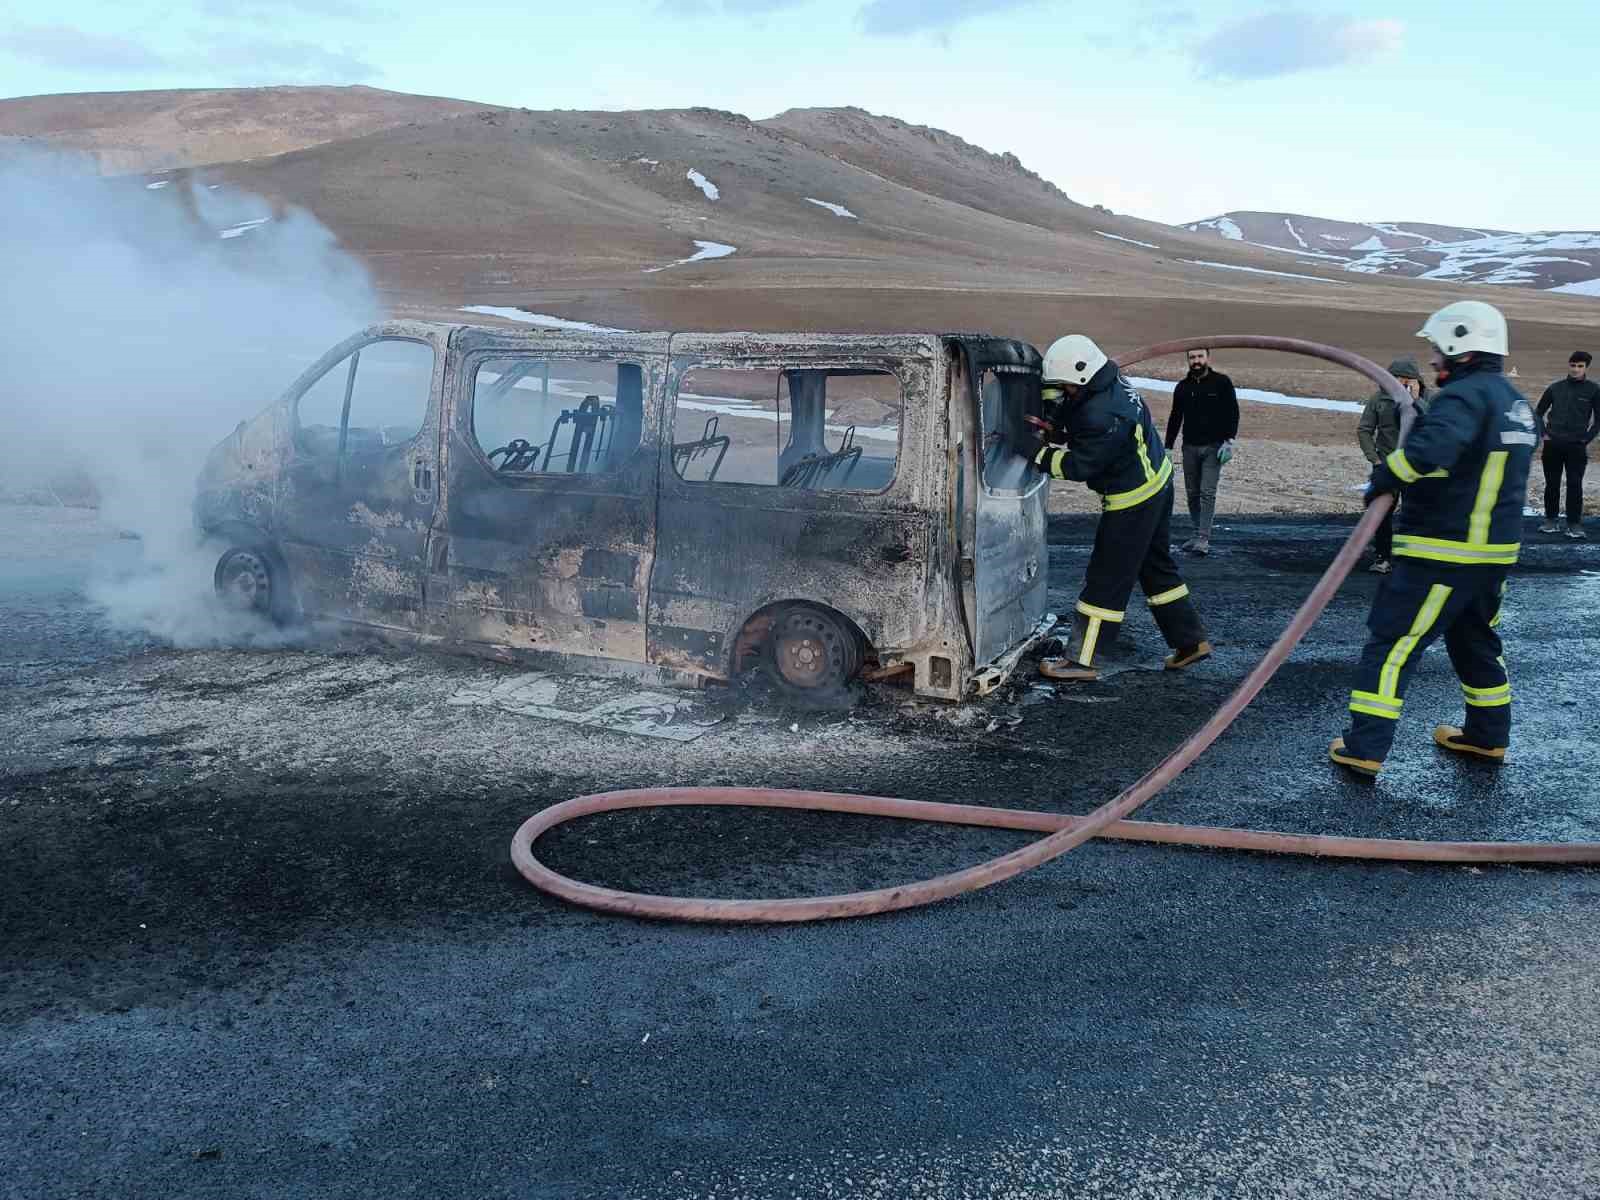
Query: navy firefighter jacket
1465	470
1112	443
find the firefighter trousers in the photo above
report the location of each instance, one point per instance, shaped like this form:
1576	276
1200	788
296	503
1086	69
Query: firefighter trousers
1415	605
1132	545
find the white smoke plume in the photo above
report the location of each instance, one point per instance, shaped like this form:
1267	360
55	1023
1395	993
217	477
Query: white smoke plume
138	325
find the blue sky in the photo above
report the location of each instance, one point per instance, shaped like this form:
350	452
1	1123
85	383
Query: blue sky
1441	110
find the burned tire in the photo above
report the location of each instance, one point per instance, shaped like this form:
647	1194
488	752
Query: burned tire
812	655
252	579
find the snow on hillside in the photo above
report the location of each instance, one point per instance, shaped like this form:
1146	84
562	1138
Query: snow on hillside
1559	261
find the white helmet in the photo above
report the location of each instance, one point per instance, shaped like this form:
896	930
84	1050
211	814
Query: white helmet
1467	326
1072	359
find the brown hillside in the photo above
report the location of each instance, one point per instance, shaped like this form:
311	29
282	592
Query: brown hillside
147	131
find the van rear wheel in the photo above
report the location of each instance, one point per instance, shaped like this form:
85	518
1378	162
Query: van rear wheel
811	654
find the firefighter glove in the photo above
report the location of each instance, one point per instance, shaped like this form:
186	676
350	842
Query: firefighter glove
1384	482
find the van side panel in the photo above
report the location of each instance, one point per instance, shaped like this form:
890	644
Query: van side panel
724	551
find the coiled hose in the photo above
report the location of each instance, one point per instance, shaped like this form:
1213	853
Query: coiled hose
1063	832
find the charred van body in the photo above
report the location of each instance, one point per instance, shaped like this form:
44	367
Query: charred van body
824	505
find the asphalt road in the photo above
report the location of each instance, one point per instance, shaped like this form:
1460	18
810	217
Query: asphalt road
259	934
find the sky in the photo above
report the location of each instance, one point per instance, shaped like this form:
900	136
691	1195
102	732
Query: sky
1449	111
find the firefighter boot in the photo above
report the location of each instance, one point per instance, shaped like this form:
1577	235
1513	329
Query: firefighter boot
1077	664
1448	737
1361	766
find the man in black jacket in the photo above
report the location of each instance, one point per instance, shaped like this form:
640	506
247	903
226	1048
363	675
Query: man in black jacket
1570	410
1112	445
1206	409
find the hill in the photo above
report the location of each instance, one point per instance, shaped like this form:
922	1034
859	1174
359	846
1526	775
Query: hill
1559	261
146	131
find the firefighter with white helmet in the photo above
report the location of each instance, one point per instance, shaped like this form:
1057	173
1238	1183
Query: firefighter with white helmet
1464	471
1102	434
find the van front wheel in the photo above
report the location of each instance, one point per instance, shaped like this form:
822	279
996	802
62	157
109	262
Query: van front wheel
811	654
249	579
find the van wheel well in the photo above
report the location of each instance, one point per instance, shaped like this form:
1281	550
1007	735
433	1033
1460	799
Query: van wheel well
755	634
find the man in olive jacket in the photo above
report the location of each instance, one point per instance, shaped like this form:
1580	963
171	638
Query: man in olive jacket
1379	435
1570	410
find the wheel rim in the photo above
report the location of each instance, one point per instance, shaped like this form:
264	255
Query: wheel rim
245	584
811	650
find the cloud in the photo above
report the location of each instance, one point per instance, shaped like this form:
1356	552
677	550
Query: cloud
249	60
1285	42
270	60
78	50
273	10
898	17
735	8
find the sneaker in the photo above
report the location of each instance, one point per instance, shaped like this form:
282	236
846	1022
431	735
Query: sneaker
1067	670
1380	566
1448	737
1368	767
1576	533
1551	525
1188	547
1188	656
1200	546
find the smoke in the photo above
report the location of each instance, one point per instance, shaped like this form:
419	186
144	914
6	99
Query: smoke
138	325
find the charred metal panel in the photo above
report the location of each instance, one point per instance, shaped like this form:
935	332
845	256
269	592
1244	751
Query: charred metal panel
557	562
726	550
1006	526
354	527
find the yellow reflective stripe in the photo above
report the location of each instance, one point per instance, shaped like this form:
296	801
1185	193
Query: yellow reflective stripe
1440	550
1144	452
1401	466
1494	474
1373	711
1499	609
1488	691
1489	701
1389	677
1379	706
1168	597
1120	500
1105	614
1056	459
1091	639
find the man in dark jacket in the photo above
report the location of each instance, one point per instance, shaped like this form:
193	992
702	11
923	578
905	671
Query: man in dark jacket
1570	409
1205	409
1379	434
1111	444
1464	472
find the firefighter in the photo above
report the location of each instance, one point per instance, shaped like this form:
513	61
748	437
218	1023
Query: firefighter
1111	444
1464	473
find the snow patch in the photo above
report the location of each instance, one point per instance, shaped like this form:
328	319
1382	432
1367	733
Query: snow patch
1261	396
1117	237
706	251
1372	243
1254	270
1295	234
1587	287
649	162
837	210
705	185
539	319
160	183
242	228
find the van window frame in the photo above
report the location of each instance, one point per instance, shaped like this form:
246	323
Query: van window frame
352	356
473	360
679	369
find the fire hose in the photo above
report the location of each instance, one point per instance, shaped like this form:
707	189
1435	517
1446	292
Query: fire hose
1064	832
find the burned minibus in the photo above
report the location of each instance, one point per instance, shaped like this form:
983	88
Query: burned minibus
823	507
